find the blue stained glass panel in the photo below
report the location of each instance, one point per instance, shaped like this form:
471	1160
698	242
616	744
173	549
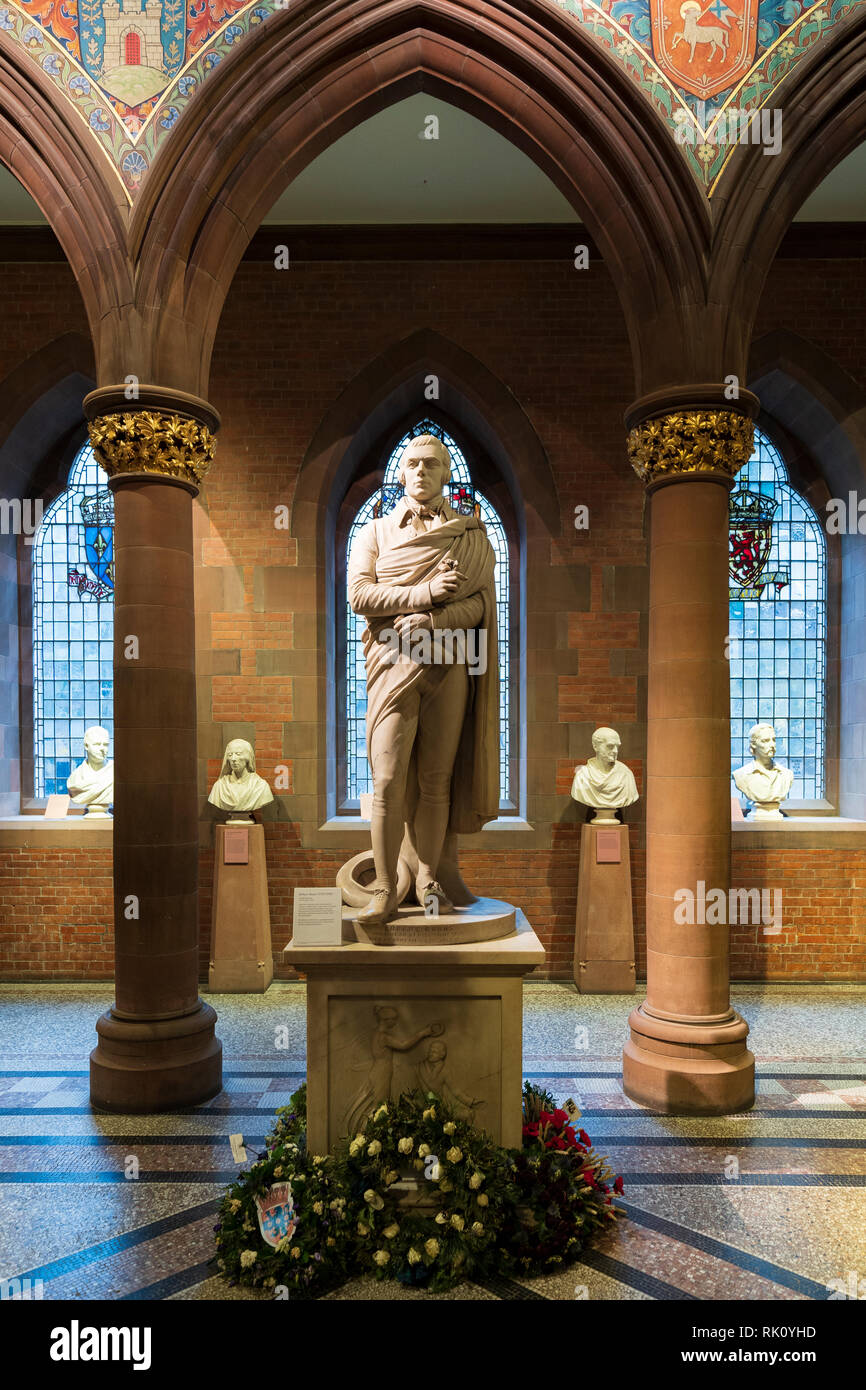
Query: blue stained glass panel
73	623
778	630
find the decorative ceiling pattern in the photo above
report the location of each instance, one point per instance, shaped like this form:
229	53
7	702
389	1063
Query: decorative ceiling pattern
698	63
130	66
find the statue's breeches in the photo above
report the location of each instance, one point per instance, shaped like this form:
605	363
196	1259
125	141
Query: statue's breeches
429	717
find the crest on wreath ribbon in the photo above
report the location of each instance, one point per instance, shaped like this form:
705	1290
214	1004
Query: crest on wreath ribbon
97	513
277	1218
704	46
750	539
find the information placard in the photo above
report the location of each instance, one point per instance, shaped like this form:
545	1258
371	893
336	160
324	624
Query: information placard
318	917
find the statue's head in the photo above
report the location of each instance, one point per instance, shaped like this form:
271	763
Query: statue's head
96	741
238	756
437	1052
605	745
762	741
425	467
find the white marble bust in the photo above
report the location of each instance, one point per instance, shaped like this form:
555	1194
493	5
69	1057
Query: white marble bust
602	782
239	787
762	780
91	784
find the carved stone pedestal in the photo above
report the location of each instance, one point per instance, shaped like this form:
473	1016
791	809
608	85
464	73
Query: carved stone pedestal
604	930
241	961
386	1019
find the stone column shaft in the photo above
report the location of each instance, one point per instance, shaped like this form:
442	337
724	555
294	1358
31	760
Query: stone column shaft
687	1051
156	1048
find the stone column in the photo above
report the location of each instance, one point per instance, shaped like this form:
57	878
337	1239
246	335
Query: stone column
687	1051
157	1048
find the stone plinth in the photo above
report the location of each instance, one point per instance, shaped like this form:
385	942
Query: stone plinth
386	1019
241	961
487	919
604	930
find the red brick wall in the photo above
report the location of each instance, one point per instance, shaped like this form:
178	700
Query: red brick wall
56	914
289	344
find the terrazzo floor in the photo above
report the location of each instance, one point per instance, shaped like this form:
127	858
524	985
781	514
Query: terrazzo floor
769	1204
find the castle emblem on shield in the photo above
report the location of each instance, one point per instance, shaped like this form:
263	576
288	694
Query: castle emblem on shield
707	47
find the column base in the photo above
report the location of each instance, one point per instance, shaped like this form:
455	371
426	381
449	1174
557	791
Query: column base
141	1066
688	1068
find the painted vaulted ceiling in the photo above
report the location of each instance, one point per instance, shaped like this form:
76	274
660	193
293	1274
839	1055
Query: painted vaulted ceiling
129	67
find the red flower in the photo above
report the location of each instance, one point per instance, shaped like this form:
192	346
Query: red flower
617	1187
545	1117
560	1118
585	1139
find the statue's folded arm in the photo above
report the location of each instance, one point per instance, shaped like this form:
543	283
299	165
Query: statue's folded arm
375	600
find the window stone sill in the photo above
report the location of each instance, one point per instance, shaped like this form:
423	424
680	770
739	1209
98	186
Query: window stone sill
38	832
811	832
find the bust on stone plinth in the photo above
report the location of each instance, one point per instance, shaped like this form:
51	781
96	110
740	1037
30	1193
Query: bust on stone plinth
762	780
91	784
602	782
239	788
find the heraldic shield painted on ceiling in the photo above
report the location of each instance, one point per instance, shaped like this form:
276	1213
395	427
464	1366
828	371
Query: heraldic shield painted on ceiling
131	66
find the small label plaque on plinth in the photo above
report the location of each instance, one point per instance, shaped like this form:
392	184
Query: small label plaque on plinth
317	919
604	930
241	961
236	845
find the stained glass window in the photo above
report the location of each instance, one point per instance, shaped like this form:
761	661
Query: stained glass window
73	623
778	619
358	770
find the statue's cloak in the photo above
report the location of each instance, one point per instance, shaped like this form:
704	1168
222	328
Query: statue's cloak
417	559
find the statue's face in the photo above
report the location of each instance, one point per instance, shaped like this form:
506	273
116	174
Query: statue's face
423	473
238	758
764	744
607	751
436	1053
96	747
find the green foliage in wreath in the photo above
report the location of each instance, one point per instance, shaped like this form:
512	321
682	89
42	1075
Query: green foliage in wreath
312	1257
430	1193
418	1195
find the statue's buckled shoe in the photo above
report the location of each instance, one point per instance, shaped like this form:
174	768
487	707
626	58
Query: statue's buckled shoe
380	909
435	890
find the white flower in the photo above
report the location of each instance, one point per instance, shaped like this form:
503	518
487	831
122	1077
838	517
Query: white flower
423	1150
373	1199
320	1158
360	1137
477	1228
248	1257
383	1110
449	1128
355	1148
296	1254
391	1177
234	1205
446	1186
441	1218
412	1256
457	1222
454	1155
381	1257
406	1145
429	1114
391	1231
431	1248
475	1181
481	1199
374	1148
362	1229
318	1208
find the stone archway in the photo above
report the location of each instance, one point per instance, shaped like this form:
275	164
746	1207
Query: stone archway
313	73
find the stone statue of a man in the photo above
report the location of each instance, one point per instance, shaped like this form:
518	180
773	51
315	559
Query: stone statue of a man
239	787
762	780
91	784
432	728
602	782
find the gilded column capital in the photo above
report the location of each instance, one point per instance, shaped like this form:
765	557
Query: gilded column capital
153	441
159	431
686	443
